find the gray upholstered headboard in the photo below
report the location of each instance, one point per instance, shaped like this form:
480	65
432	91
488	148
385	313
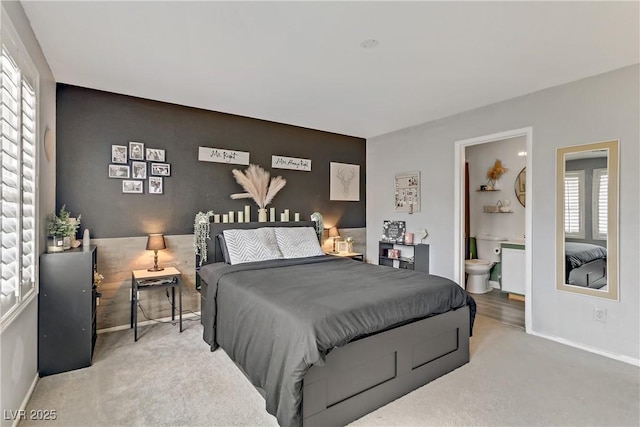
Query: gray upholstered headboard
214	253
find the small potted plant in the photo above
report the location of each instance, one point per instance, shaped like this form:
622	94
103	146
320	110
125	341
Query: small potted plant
61	229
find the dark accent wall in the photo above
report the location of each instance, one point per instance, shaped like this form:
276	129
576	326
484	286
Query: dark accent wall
90	121
587	165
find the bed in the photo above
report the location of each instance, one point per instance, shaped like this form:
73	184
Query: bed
586	265
327	339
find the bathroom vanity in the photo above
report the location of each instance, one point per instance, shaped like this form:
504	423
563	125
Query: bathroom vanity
513	268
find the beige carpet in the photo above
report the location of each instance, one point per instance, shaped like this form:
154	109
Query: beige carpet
172	379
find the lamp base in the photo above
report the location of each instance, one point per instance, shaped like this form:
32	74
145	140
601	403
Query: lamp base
155	269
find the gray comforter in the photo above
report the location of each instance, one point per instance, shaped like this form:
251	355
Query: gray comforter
277	318
581	253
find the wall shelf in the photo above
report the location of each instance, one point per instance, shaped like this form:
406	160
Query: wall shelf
486	191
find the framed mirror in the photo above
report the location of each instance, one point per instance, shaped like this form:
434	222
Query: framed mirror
520	186
587	219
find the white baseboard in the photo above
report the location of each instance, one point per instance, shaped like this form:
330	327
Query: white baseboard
147	322
620	357
26	399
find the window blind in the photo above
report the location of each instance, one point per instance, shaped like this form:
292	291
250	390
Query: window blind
18	189
574	204
600	203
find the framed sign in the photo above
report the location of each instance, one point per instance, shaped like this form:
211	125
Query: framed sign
407	192
218	155
282	162
393	231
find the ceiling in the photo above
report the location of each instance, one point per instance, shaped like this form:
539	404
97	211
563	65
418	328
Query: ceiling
302	63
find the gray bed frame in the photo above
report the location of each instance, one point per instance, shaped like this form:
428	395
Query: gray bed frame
369	372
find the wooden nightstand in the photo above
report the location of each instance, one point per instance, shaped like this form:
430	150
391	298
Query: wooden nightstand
142	280
353	255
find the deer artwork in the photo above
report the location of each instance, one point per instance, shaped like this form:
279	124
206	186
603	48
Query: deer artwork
346	179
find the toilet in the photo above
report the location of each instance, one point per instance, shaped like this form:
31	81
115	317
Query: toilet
478	269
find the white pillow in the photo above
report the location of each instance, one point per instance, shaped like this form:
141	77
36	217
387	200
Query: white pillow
251	245
298	242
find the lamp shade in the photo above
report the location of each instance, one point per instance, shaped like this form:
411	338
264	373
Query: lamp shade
155	242
333	232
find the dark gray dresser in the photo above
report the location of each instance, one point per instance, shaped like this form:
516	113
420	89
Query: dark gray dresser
66	310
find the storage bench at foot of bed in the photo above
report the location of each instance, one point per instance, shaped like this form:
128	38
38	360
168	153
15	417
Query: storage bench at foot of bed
371	372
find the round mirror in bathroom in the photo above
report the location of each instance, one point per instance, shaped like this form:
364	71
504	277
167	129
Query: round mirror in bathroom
521	186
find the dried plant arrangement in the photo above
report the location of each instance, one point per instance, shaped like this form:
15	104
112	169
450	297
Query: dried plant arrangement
496	171
255	182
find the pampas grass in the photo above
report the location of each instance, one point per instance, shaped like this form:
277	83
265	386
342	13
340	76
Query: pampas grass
255	182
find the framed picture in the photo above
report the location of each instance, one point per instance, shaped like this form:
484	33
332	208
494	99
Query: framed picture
393	253
342	247
344	183
130	186
407	192
136	150
155	185
393	231
139	170
161	169
155	155
118	171
119	154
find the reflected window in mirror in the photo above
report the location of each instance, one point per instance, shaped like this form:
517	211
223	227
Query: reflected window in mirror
587	219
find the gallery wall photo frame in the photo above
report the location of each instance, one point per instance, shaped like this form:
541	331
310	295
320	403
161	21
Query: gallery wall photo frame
156	185
136	150
119	171
138	170
119	154
407	192
160	169
130	186
155	155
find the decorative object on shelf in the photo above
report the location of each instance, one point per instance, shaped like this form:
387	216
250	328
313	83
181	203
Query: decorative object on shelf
408	238
393	231
343	247
61	227
345	182
319	220
349	241
491	208
201	231
423	234
247	214
296	217
494	174
407	192
155	242
257	186
262	215
334	235
272	215
394	253
506	206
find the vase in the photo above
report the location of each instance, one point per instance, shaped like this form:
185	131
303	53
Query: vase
54	244
66	242
262	215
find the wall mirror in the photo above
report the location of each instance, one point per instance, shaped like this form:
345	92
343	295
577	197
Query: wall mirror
587	219
520	186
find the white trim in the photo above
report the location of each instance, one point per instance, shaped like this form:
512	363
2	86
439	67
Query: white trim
17	310
26	399
458	244
615	356
148	322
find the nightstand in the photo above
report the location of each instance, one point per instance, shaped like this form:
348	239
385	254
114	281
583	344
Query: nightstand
353	255
142	280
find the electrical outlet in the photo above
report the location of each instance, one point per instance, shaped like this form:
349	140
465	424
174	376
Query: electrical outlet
600	314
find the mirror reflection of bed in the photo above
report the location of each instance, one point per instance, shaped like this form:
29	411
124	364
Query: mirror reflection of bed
586	265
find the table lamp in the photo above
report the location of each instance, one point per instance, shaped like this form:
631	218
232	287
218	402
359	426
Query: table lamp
155	242
334	234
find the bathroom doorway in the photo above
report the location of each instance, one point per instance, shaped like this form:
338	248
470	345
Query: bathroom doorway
498	212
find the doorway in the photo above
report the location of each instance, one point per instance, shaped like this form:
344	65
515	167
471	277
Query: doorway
461	206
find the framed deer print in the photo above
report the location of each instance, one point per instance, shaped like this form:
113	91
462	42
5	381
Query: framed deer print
407	192
345	182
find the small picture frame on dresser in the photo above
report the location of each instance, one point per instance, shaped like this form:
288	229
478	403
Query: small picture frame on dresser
394	253
342	247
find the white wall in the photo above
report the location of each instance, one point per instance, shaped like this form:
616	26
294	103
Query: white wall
481	158
599	108
18	352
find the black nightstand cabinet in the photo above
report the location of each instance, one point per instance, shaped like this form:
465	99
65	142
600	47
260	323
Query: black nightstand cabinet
420	260
66	311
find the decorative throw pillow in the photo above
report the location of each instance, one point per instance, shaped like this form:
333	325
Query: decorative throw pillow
298	242
223	249
251	245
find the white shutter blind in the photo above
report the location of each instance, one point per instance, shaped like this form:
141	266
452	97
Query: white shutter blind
574	204
600	203
10	196
18	189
